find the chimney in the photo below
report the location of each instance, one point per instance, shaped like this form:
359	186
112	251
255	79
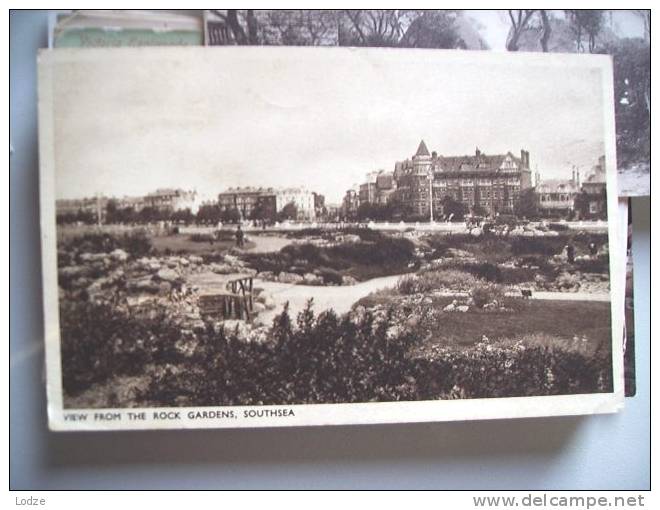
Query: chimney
477	152
434	155
573	178
578	178
524	158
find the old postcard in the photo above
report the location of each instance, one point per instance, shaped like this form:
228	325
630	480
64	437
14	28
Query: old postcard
254	236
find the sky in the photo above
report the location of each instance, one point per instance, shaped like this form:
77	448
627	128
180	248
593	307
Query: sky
129	121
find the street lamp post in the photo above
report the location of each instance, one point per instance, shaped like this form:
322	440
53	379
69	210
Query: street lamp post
431	194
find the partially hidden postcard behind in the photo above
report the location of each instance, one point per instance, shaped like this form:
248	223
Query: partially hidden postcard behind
254	236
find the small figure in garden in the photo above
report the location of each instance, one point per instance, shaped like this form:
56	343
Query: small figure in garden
240	237
593	249
570	253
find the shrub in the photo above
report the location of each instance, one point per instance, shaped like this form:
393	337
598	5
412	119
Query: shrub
330	276
484	294
486	270
202	237
98	341
507	369
409	284
359	357
558	227
600	264
454	279
134	242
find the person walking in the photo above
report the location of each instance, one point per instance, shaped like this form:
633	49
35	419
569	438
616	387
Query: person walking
240	237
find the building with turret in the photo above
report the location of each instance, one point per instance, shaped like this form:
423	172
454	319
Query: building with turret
489	183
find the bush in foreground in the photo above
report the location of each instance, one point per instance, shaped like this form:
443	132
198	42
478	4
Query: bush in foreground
359	357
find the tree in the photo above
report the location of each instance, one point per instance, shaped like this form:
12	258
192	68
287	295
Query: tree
288	212
208	214
230	215
585	22
434	29
453	208
149	214
479	210
243	25
183	216
632	92
527	205
376	27
301	27
524	20
520	19
111	212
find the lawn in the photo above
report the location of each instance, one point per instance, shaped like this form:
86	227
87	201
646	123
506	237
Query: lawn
560	319
181	244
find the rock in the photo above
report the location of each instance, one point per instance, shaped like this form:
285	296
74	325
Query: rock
258	307
153	266
351	238
449	308
427	300
290	277
195	259
184	262
456	253
259	335
268	301
144	284
164	287
312	279
73	271
222	268
119	255
92	257
348	280
268	276
168	275
462	308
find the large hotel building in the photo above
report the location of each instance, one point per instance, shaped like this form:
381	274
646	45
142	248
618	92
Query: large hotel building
493	182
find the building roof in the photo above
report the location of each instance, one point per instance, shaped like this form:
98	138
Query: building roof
557	186
385	181
474	162
422	150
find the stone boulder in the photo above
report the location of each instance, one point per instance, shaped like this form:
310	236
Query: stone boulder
195	259
144	284
73	271
258	307
268	276
312	279
222	268
119	255
460	254
462	308
93	257
168	275
290	278
348	280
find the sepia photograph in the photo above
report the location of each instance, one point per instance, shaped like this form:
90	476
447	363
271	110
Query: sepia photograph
625	34
234	236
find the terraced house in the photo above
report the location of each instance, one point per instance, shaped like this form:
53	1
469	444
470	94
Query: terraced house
490	183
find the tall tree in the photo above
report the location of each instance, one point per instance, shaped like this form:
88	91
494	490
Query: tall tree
520	19
585	23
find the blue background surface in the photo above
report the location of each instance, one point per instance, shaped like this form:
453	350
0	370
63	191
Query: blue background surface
595	452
